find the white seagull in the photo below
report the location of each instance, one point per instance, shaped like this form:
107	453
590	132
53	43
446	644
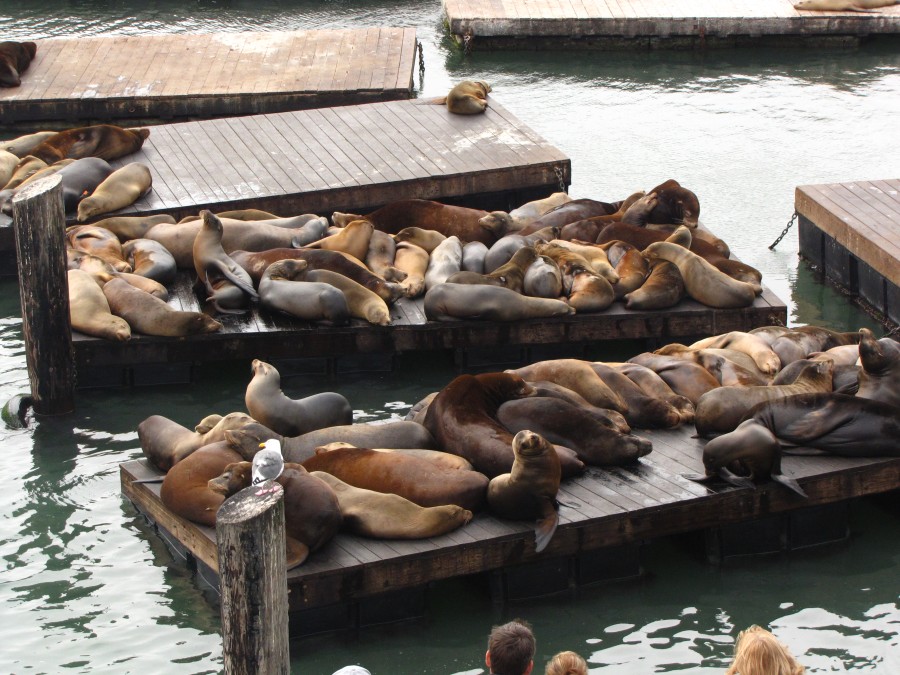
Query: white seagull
268	463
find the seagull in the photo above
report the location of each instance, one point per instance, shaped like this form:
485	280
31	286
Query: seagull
268	463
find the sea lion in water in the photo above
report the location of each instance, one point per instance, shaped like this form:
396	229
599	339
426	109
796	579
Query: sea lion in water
267	403
382	515
89	310
227	284
283	288
121	188
529	489
149	315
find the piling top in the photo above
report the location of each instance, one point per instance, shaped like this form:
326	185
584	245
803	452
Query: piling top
37	187
249	503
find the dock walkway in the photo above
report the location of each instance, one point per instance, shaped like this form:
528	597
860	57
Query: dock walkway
74	81
603	511
851	232
651	24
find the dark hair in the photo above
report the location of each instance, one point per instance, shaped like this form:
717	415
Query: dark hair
512	647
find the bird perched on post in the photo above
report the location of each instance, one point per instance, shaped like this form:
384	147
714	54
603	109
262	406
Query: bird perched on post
268	463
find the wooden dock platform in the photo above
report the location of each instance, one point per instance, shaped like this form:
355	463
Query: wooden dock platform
605	514
349	158
654	24
851	233
138	79
263	334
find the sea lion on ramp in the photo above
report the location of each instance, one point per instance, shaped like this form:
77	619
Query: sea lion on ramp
133	227
752	345
380	257
542	279
99	242
147	314
361	302
578	376
89	310
529	489
663	288
23	145
388	516
426	239
283	288
353	239
8	164
524	215
267	403
121	188
451	302
227	284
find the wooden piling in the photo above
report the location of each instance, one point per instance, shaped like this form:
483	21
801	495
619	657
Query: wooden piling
250	541
39	221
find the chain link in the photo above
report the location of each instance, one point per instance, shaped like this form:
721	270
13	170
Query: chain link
560	178
783	232
421	58
467	42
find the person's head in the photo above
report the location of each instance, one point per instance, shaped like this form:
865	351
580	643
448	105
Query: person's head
511	649
758	652
567	663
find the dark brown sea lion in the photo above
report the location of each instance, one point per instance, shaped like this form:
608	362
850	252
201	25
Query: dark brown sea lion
646	412
381	515
605	416
653	385
879	379
185	489
448	220
105	141
570	212
15	57
267	403
463	420
674	204
589	435
589	228
451	302
684	377
165	443
416	479
529	489
149	315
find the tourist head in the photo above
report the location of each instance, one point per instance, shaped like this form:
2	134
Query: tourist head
758	652
567	663
511	649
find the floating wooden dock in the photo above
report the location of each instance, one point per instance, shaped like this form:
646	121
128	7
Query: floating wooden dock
605	515
350	158
263	334
651	24
851	232
74	81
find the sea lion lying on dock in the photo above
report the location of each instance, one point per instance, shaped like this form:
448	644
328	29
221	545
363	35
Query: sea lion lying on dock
15	57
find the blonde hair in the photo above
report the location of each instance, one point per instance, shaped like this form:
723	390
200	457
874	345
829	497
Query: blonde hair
566	663
758	652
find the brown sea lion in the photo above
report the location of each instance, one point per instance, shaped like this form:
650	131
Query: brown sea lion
228	286
570	212
89	310
463	420
593	254
105	141
15	57
605	416
381	515
413	478
525	214
630	265
663	288
646	412
185	490
25	169
353	239
674	204
443	459
150	259
589	228
879	379
149	315
99	242
752	345
578	376
23	145
451	302
468	97
572	426
686	378
529	489
267	403
425	239
121	188
380	257
801	341
165	443
653	385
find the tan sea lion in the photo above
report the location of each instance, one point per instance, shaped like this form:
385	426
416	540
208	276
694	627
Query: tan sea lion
227	284
752	345
185	490
99	242
149	315
529	489
425	239
23	145
380	257
352	239
165	443
663	288
801	341
133	227
468	97
267	403
593	254
361	302
150	259
25	169
381	515
8	164
578	376
15	57
412	260
524	215
105	141
89	309
451	302
590	292
283	288
122	188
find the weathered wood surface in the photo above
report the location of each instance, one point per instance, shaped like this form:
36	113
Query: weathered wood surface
603	508
651	22
204	75
863	217
46	327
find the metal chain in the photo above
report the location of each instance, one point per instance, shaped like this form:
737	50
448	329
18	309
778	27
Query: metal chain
421	58
467	42
560	178
784	232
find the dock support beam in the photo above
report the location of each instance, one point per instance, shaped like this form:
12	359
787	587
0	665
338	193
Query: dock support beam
250	540
39	221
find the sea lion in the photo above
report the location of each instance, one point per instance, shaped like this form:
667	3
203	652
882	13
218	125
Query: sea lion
185	490
380	515
747	454
529	489
283	288
843	5
463	420
752	345
468	97
525	214
412	260
449	220
510	275
352	240
380	257
147	314
15	57
570	212
165	443
25	169
727	372
720	410
361	302
842	355
663	288
425	239
23	145
416	479
571	263
150	259
686	378
642	410
589	228
121	188
653	385
99	242
589	292
80	178
702	281
133	227
102	272
7	194
445	260
267	404
542	279
605	416
879	379
578	376
312	513
8	164
89	310
801	341
105	141
396	435
451	302
593	254
674	205
630	265
227	284
443	459
572	426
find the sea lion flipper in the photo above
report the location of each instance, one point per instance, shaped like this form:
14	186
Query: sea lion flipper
734	479
296	552
545	526
817	423
789	483
237	279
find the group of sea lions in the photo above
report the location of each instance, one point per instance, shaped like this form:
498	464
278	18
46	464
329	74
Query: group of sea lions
80	157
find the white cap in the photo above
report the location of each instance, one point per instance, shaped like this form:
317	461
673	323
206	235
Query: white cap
352	670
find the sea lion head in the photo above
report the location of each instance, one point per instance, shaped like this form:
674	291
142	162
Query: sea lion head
527	444
505	386
877	356
234	478
676	205
287	270
211	221
750	441
246	440
199	323
498	222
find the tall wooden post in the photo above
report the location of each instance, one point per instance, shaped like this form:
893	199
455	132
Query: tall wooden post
39	222
253	581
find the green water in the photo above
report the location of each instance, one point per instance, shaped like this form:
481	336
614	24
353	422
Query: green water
88	587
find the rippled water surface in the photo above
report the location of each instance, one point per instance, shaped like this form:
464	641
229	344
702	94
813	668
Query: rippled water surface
87	587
